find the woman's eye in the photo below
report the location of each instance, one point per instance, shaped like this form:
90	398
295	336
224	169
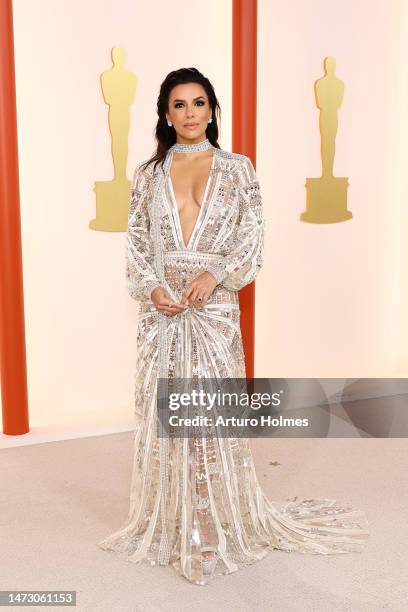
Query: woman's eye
199	102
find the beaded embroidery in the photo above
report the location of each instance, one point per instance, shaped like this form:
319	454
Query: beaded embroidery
190	494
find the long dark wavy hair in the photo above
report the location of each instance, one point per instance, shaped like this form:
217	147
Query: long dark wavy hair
166	135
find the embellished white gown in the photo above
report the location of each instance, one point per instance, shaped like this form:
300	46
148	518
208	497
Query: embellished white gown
204	492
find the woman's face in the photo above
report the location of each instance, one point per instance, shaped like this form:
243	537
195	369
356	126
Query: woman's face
188	104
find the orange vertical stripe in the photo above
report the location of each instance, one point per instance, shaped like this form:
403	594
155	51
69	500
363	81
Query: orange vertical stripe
244	82
12	331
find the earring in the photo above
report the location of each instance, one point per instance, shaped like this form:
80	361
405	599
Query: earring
169	123
210	120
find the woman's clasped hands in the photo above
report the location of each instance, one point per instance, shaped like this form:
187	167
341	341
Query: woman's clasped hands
195	294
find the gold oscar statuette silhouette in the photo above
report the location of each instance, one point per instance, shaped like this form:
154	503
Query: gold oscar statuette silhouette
326	196
113	197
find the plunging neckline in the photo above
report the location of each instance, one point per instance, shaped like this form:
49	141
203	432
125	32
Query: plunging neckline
202	204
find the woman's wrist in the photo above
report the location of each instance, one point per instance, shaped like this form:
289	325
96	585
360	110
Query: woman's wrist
217	270
151	286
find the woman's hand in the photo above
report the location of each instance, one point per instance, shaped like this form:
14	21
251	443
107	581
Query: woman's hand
200	287
161	300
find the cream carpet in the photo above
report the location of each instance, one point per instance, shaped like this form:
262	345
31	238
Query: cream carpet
59	499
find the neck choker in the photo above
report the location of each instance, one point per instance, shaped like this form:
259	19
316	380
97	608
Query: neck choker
190	148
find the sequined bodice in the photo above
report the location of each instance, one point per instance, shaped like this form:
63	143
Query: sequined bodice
218	213
229	230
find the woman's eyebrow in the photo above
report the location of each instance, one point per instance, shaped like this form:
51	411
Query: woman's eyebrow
180	100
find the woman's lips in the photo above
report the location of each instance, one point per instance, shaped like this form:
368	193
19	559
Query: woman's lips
191	127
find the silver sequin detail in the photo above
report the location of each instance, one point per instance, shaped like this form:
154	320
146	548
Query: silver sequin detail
186	494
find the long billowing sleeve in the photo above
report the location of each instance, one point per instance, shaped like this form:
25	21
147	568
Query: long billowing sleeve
242	264
140	275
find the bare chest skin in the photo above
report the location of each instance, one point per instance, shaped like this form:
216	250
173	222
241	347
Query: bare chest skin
189	180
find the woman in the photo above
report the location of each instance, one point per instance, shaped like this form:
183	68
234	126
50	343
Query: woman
195	237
